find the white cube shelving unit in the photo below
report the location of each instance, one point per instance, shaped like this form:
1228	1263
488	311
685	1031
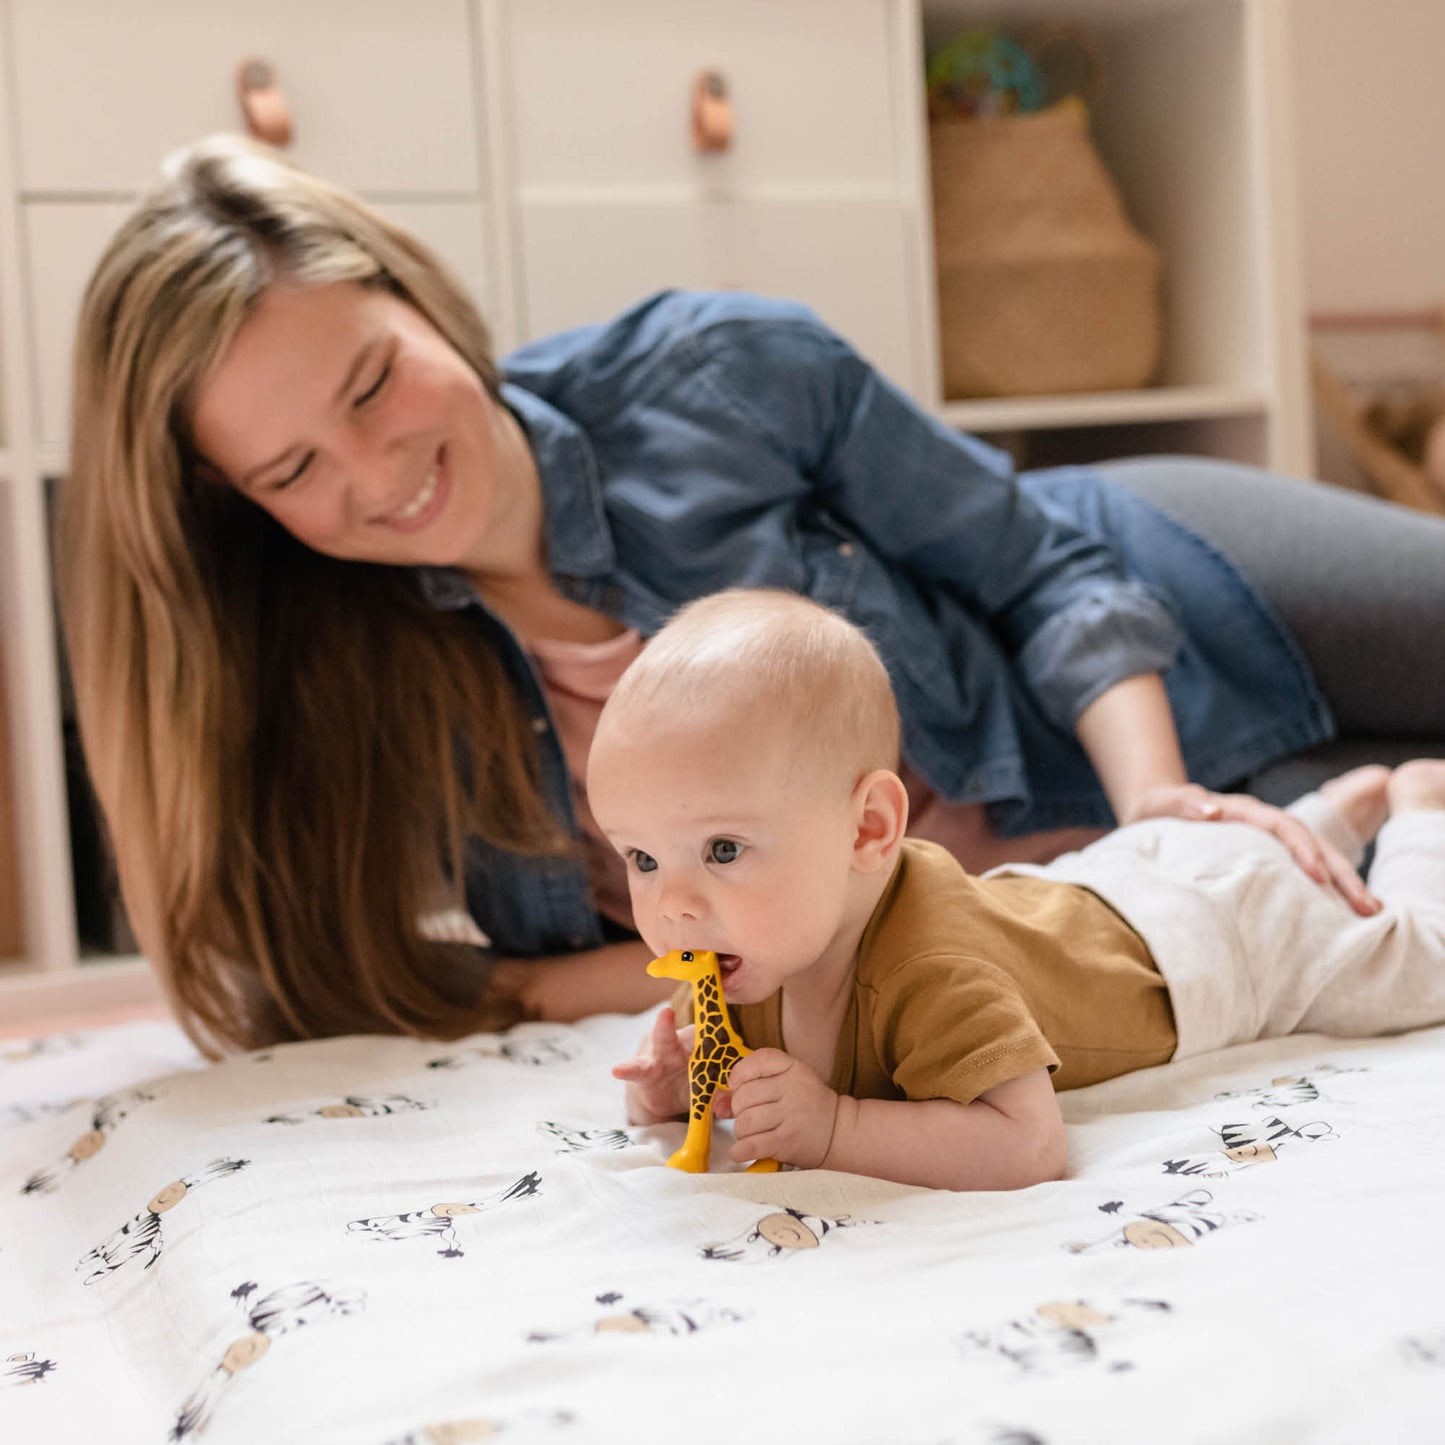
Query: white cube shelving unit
541	146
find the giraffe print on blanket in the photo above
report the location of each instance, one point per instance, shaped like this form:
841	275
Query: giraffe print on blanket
436	1222
1179	1224
784	1232
282	1312
142	1238
106	1113
23	1369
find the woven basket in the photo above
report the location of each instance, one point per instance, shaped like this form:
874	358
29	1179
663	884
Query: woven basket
1043	283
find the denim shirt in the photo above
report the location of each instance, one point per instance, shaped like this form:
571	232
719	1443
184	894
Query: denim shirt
702	441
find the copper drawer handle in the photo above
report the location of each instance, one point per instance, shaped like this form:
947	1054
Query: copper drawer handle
712	112
263	103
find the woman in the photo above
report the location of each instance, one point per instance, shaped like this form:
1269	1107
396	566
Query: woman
342	605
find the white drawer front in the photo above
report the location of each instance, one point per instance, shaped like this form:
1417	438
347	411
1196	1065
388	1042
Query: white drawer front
62	245
602	92
380	92
848	260
64	240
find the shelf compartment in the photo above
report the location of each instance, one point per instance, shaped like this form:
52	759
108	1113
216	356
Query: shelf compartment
1179	124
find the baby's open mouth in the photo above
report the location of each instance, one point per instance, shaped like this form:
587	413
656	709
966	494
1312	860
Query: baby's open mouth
728	964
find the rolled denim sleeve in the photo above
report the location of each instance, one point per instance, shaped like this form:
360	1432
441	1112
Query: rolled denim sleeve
946	509
1097	641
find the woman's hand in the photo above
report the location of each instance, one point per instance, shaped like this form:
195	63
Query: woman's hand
656	1076
780	1110
1322	861
562	988
1128	733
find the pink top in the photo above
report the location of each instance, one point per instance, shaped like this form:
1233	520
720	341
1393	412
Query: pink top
578	677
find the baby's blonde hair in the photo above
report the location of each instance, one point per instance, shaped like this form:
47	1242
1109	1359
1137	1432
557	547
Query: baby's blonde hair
780	657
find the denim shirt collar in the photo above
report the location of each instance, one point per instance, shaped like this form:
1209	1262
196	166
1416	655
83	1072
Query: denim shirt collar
579	541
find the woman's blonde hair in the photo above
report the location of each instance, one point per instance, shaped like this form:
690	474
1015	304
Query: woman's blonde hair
290	750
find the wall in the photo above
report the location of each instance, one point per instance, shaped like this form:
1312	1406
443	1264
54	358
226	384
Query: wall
1369	82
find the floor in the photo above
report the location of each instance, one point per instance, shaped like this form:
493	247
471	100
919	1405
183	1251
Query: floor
72	1022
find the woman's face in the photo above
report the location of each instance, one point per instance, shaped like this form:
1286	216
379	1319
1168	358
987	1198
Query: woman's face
345	414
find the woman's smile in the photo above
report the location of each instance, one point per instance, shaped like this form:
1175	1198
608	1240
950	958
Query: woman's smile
426	504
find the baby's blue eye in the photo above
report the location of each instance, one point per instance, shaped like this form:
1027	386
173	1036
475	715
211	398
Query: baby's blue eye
643	862
724	850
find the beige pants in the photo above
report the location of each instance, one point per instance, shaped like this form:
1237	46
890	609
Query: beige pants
1252	948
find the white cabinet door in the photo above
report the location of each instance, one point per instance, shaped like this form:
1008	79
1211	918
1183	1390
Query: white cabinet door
380	92
602	92
849	260
808	202
62	244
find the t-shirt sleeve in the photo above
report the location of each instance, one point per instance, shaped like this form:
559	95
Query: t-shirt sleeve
948	1027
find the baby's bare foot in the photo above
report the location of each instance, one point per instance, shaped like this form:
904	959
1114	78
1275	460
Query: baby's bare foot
1361	798
1417	785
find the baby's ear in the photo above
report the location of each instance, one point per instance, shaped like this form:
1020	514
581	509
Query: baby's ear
880	810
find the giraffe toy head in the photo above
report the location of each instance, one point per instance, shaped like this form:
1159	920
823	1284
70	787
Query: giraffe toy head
687	965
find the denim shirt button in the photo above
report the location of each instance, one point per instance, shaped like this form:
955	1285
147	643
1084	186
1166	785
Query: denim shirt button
973	787
539	725
845	549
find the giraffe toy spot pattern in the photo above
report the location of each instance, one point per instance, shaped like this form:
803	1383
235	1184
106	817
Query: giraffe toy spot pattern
716	1048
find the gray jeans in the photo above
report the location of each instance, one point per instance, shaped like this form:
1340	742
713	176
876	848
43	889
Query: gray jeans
1359	583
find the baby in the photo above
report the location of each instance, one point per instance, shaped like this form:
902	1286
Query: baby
911	1021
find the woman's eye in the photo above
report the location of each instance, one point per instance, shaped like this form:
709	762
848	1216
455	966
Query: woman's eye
724	850
375	386
643	862
294	477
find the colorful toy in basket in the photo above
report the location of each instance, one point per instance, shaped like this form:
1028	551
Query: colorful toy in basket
981	74
716	1048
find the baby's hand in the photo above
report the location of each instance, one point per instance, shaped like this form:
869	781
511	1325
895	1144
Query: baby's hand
657	1074
780	1110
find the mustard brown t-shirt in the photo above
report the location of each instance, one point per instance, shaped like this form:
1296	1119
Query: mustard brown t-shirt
964	983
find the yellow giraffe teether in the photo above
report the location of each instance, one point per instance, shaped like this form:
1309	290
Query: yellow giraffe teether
715	1049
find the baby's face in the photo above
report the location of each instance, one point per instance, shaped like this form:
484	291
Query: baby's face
730	844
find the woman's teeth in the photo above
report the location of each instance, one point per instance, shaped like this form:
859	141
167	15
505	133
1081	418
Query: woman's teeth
420	502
